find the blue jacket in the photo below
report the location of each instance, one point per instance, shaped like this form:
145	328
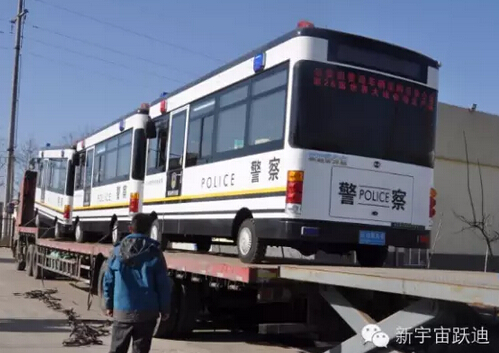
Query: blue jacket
136	283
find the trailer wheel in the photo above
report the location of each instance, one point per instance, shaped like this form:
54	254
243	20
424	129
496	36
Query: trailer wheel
38	272
167	328
190	305
371	256
29	260
20	261
250	248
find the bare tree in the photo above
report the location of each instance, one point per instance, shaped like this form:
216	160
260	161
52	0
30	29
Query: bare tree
24	154
481	222
71	138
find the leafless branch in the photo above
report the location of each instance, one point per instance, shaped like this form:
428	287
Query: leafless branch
480	225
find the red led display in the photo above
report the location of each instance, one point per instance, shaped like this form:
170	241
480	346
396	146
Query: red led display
366	84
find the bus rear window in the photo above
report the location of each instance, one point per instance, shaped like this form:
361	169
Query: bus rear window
356	112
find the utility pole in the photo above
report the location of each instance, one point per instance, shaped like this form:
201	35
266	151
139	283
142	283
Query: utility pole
9	184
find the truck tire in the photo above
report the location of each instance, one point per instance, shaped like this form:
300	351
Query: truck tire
29	259
190	305
38	272
167	328
20	261
371	256
250	248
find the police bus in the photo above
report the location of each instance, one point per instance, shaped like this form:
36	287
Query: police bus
318	140
109	179
54	189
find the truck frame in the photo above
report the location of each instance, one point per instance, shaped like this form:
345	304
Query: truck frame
293	297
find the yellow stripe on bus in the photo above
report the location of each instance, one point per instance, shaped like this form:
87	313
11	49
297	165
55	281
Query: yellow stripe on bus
187	197
218	194
60	210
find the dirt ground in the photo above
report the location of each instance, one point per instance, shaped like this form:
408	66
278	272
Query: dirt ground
28	325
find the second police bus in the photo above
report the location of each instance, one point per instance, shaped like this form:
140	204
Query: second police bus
318	140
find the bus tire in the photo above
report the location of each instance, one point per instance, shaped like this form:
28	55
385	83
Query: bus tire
80	235
167	328
371	256
157	234
58	231
29	259
250	248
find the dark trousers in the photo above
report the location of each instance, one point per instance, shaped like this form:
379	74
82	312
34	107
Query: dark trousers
123	332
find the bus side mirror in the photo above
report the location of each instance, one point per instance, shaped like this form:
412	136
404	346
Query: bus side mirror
33	162
151	129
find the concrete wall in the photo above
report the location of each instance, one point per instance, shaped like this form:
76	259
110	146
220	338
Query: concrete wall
457	248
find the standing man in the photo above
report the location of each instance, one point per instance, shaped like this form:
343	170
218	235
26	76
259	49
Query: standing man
136	288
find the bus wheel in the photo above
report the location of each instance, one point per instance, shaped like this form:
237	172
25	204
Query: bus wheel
30	255
115	232
157	235
250	248
79	233
58	232
371	256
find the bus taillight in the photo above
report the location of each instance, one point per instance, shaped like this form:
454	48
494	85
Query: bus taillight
134	202
294	187
433	202
67	211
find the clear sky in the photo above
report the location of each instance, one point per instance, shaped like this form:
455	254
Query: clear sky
68	85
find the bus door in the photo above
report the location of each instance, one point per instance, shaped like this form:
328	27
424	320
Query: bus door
87	187
44	175
176	152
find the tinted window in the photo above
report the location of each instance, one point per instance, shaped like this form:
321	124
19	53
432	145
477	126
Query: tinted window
156	158
231	128
112	159
193	142
177	140
360	113
270	82
206	139
267	118
234	96
58	172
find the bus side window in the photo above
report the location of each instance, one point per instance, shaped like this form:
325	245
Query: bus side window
199	136
80	172
156	154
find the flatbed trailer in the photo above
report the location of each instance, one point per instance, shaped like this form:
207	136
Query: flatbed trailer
335	303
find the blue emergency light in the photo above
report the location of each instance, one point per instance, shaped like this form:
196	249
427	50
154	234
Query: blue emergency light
259	62
122	125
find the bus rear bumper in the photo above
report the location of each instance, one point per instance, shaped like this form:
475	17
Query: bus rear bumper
310	231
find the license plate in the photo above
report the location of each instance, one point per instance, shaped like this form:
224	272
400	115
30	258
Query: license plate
369	237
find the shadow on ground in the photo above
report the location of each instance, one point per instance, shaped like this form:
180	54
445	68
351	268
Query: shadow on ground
303	345
34	325
4	260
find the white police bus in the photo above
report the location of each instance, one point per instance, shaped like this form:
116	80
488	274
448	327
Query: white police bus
109	180
319	140
54	189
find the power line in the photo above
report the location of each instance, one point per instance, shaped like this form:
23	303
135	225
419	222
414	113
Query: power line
64	63
129	30
100	59
170	67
